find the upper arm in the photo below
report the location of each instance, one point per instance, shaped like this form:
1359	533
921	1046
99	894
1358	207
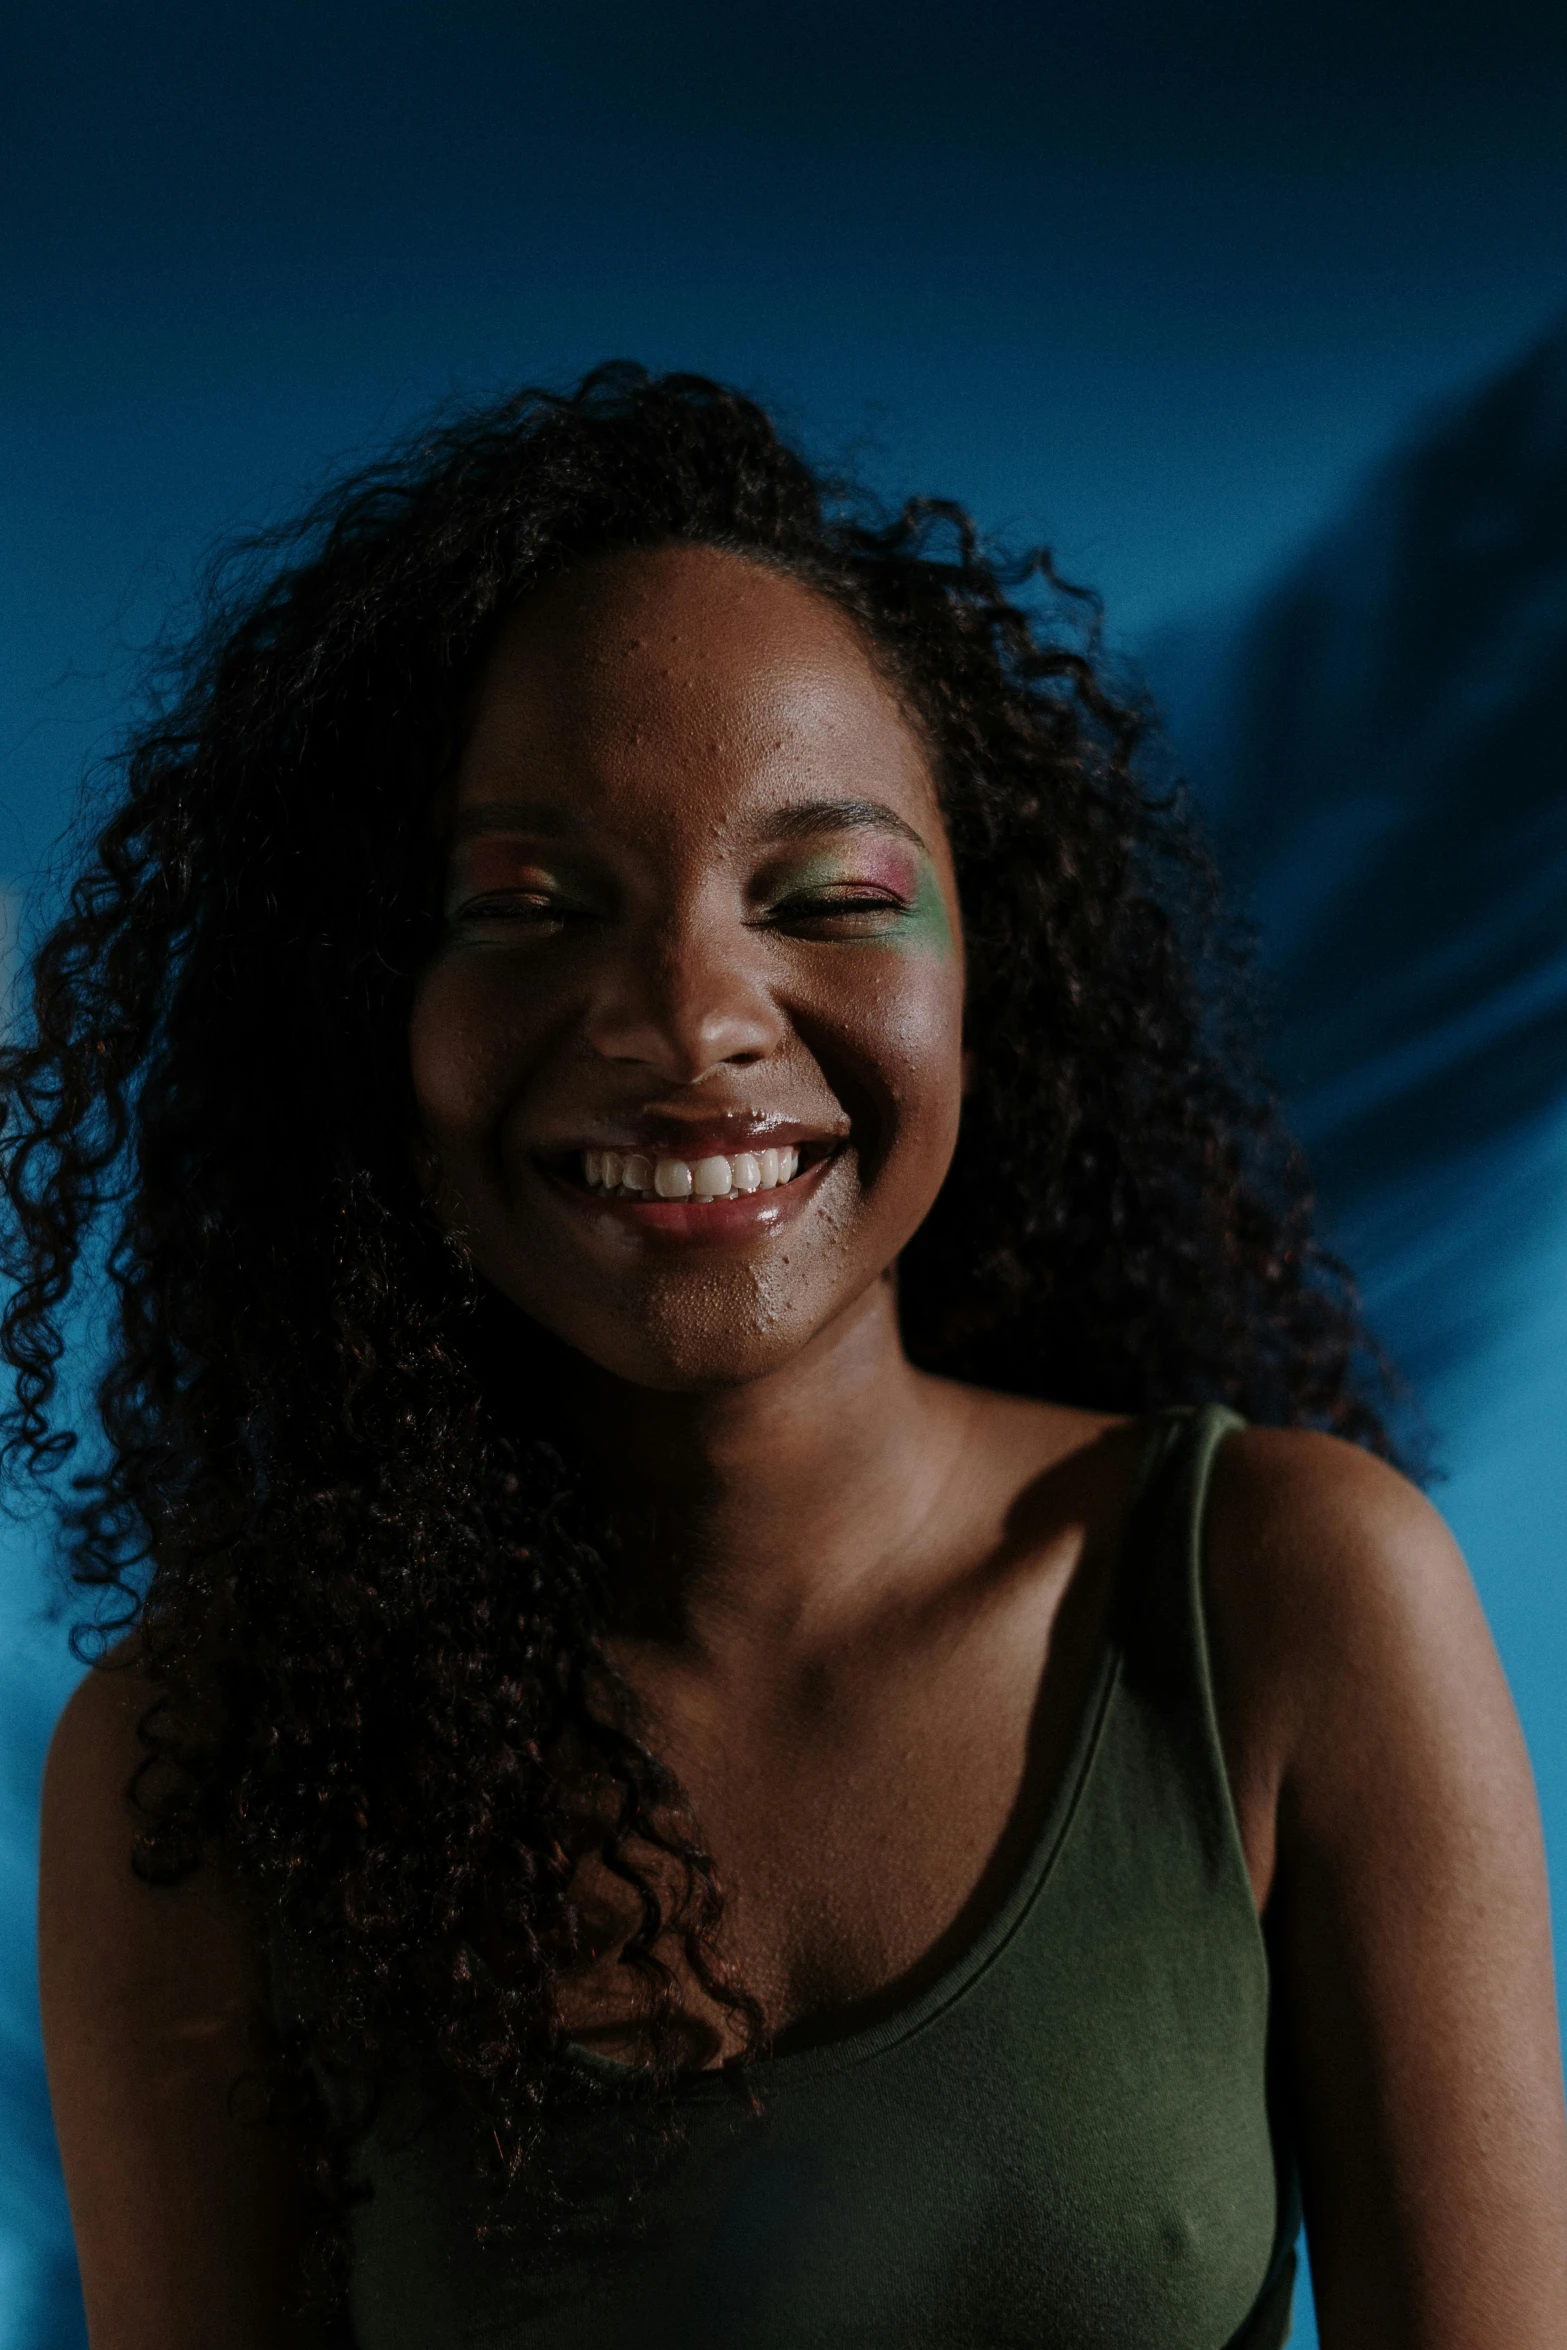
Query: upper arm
187	2215
1388	1809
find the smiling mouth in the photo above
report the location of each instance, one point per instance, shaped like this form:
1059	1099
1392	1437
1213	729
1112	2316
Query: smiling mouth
695	1182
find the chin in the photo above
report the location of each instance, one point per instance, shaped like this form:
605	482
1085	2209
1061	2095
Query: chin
694	1331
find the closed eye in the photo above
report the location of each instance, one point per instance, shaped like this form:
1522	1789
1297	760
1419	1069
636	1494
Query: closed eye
853	909
529	909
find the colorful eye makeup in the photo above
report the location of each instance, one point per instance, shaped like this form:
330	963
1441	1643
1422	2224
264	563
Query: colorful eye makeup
865	880
499	879
860	890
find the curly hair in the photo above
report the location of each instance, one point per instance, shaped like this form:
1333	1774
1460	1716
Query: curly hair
361	1562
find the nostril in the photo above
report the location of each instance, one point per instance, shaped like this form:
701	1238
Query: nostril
670	1022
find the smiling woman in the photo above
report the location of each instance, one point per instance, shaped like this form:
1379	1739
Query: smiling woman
721	1732
665	944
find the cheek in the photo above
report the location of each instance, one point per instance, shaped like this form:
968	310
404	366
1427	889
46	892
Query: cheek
462	1052
933	1100
901	1026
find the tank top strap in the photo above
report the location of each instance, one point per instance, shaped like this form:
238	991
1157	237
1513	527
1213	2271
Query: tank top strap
1158	1606
1163	1763
1158	1617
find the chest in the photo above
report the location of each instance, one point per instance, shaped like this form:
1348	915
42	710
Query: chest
1065	2138
868	1812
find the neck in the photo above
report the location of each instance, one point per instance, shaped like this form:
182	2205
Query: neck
765	1510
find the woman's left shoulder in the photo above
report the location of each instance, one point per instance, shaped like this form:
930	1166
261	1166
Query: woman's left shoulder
1354	1671
1305	1503
1319	1544
1387	1811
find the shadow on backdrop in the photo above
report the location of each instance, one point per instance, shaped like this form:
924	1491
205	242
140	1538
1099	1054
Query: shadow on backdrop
1380	749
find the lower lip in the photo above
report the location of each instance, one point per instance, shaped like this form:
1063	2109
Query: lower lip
682	1222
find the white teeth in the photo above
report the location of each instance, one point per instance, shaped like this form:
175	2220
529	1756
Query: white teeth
703	1179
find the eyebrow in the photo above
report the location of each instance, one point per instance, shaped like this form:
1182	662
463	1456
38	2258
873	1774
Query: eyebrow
542	818
817	816
547	820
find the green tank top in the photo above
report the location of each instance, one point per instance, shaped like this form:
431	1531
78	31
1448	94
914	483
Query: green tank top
1067	2141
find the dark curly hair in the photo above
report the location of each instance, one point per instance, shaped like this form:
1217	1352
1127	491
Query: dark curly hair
361	1564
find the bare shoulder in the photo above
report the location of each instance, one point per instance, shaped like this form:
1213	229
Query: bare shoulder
88	1825
1295	1510
1356	1678
1387	1810
154	2007
1328	1571
95	1748
89	1821
109	1942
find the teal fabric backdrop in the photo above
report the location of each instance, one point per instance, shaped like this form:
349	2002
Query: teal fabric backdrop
1252	313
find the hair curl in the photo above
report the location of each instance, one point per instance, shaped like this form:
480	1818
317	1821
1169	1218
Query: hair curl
364	1579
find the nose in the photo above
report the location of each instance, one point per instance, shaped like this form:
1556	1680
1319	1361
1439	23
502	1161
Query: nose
683	1004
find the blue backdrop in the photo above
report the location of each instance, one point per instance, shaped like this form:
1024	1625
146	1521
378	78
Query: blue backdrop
1252	313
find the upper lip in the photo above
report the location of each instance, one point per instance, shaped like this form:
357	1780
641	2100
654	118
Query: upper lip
712	1135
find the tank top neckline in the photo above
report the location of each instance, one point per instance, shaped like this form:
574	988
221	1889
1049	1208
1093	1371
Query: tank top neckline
841	2052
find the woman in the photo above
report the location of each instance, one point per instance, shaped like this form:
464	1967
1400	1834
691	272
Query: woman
729	1737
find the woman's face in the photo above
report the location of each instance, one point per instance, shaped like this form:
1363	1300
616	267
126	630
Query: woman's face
701	929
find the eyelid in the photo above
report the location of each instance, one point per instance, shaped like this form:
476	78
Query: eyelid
867	887
472	893
463	899
876	867
474	878
828	902
849	895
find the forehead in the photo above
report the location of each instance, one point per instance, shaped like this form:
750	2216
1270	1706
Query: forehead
687	683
